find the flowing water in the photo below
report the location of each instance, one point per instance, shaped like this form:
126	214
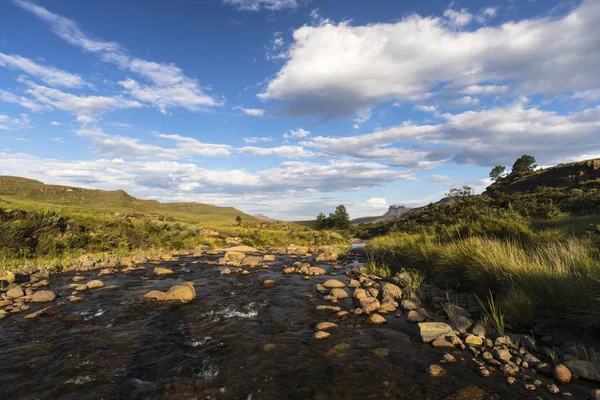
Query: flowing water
236	340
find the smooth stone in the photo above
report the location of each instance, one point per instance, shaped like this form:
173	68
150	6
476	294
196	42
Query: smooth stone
436	370
226	271
160	271
415	316
376	319
429	331
339	293
333	283
410	304
269	283
325	326
391	290
15	293
473	340
369	305
43	296
95	284
561	374
321	335
584	369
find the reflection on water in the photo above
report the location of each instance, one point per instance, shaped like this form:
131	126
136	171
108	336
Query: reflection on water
236	340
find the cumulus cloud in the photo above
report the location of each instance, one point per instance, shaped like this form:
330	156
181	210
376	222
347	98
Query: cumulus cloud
12	123
280	151
458	18
341	69
253	139
377	203
253	112
257	5
166	84
296	134
25	102
50	75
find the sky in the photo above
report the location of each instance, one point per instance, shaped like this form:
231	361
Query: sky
291	107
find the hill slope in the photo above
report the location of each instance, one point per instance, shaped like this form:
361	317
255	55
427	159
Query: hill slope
31	193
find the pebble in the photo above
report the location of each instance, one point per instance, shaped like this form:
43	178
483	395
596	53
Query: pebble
436	370
319	335
552	388
269	283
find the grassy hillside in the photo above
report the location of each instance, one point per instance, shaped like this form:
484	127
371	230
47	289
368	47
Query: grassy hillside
34	195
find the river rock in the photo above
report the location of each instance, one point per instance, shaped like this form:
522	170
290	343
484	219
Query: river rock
436	370
460	323
325	307
95	284
15	293
7	276
584	369
415	316
369	305
339	293
154	295
325	326
319	335
251	261
182	293
327	256
411	304
389	305
359	293
43	296
376	319
354	284
561	374
52	310
442	343
269	283
4	303
453	310
3	314
473	340
333	283
226	271
316	271
502	355
429	331
78	278
160	271
269	258
391	290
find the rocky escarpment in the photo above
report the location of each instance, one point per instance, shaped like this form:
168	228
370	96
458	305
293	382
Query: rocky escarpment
582	174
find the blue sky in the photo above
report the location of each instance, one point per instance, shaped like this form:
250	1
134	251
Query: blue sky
290	107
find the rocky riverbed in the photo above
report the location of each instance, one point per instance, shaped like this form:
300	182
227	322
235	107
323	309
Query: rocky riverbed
242	323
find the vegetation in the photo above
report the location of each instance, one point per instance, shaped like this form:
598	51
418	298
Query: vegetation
339	220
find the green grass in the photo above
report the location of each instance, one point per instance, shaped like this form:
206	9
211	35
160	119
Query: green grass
557	278
569	225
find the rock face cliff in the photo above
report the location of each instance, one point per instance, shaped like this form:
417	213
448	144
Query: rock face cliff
394	212
581	174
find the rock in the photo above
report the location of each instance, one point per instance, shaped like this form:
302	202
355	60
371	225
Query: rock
325	307
182	293
3	314
411	303
80	288
460	323
141	259
226	271
373	292
316	271
269	283
333	283
507	370
354	284
429	331
502	355
453	310
543	368
160	271
479	330
52	310
241	249
376	319
339	293
7	276
442	343
584	369
269	258
483	372
415	316
359	293
75	299
251	261
4	303
448	359
78	278
473	340
561	374
321	335
510	380
369	305
381	352
552	388
16	292
391	290
436	370
328	256
95	284
594	394
530	387
389	306
325	326
342	314
43	296
105	271
269	347
154	295
245	272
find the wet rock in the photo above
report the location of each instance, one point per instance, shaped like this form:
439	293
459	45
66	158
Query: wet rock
369	305
333	283
78	278
43	296
584	369
507	370
251	261
245	272
269	347
359	293
442	344
381	352
306	278
376	319
482	371
95	284
154	295
415	316
269	258
473	340
325	307
339	293
448	359
321	335
373	292
530	387
502	355
339	350
182	293
354	284
52	310
411	303
429	331
552	388
269	283
510	380
4	303
226	271
327	256
320	288
105	271
160	271
80	288
436	370
561	374
316	271
389	306
16	292
391	290
342	314
75	299
460	323
3	314
326	326
7	276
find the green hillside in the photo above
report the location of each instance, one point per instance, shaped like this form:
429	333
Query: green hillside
31	194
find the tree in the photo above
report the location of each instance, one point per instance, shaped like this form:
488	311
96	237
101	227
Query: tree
341	219
463	191
238	219
497	172
321	221
523	165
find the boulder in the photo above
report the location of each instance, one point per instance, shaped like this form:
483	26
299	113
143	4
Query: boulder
327	256
269	258
154	295
182	293
502	355
584	369
321	335
454	310
160	271
95	284
429	331
43	296
376	319
415	316
269	283
316	271
325	326
7	276
333	283
369	305
360	293
411	303
16	292
391	290
561	374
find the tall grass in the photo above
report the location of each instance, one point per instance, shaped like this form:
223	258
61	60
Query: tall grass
545	276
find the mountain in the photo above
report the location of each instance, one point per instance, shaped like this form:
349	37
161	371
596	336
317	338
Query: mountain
31	193
263	217
394	212
581	174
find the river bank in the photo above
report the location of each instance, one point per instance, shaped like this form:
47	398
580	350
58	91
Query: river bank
254	333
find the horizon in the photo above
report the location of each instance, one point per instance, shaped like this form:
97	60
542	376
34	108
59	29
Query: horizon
288	108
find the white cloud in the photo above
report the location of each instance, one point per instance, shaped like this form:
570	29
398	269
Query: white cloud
458	19
296	134
253	112
441	179
167	86
55	123
486	14
280	151
13	123
253	140
256	5
8	97
50	75
340	69
378	203
486	89
429	109
355	126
